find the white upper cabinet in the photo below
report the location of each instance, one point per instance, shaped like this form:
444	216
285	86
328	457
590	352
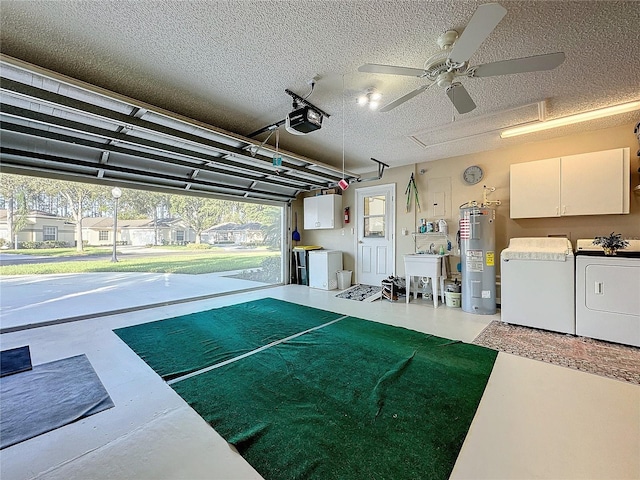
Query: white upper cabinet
322	211
594	183
534	189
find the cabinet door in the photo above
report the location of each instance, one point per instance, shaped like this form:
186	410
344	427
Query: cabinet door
594	183
310	213
322	211
328	210
534	189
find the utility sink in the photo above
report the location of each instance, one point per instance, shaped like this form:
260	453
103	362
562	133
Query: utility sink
425	265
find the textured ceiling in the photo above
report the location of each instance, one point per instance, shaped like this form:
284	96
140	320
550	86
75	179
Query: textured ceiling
227	63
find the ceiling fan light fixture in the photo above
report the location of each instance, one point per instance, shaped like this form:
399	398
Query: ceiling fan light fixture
571	119
370	98
447	39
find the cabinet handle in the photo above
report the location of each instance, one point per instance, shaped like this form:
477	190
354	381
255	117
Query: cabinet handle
564	209
599	289
557	210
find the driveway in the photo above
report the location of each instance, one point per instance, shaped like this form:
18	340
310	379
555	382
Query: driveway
37	300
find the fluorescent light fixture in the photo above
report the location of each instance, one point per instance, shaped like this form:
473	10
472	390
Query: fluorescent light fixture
571	119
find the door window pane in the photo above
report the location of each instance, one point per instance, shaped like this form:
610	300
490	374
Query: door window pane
374	216
374	205
374	227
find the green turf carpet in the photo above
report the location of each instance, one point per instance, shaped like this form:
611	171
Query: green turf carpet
353	400
181	345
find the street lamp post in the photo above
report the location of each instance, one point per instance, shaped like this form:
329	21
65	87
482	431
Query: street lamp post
116	193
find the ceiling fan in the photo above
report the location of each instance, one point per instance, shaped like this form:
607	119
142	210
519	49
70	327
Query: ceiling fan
452	61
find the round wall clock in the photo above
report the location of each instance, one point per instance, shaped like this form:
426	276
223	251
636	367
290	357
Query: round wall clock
472	174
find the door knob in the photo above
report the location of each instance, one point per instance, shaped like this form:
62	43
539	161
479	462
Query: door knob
360	241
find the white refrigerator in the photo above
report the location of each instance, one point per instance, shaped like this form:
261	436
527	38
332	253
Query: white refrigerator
323	268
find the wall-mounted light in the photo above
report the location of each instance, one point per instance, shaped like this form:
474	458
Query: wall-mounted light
371	98
571	119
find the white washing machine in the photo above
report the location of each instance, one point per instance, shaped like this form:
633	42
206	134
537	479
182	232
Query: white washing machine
608	293
537	283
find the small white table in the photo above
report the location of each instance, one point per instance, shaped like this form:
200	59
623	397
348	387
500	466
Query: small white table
425	265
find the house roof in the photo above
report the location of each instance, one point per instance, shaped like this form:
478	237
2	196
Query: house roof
32	214
101	223
198	71
231	226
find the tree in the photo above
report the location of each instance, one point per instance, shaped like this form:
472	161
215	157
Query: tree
145	204
264	214
272	227
199	213
80	197
15	190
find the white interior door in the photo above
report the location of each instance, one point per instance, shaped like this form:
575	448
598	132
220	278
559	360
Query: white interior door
375	236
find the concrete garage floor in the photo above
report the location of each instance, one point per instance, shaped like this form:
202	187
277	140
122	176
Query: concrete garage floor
535	420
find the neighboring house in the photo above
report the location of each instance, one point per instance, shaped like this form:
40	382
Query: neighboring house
171	231
41	227
235	233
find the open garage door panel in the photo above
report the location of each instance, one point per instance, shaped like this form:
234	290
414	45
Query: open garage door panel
54	126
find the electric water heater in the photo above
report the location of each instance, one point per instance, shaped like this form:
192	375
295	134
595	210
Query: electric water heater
477	251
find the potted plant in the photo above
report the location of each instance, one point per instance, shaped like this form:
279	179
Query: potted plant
611	243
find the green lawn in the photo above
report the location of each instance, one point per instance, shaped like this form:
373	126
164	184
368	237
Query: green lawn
195	262
61	252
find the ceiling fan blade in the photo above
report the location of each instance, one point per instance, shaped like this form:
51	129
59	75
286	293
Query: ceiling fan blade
460	98
391	70
482	23
536	63
404	98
